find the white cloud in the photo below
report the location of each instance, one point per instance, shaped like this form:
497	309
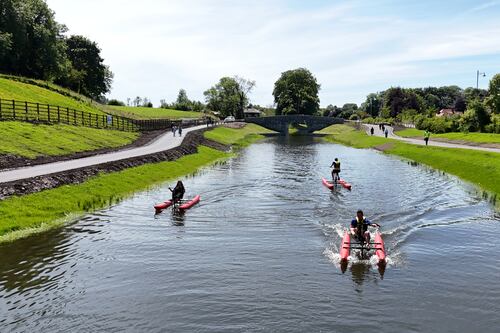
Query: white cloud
156	47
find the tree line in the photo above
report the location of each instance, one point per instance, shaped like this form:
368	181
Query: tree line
472	109
33	44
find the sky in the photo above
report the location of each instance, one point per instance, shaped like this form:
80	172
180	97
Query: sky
353	48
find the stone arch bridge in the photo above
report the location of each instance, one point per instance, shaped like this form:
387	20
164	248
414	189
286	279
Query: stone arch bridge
304	123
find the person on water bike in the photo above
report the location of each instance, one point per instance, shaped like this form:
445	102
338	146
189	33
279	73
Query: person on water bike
336	169
359	227
177	192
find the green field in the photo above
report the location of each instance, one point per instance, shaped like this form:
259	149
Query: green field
152	113
31	141
454	136
21	91
480	168
38	212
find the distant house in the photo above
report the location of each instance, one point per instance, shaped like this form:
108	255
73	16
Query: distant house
249	113
447	113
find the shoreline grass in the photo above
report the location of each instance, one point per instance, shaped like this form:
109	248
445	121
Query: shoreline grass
23	216
477	167
473	138
31	141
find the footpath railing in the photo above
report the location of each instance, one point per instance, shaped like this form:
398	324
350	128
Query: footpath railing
50	114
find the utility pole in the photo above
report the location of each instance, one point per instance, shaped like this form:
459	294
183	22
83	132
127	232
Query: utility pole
483	74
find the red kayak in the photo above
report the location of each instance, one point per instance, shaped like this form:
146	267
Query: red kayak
345	246
342	182
379	247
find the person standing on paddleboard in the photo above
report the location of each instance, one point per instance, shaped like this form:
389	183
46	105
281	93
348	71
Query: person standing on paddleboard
336	170
177	192
359	227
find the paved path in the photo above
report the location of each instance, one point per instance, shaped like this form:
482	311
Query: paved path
164	142
391	135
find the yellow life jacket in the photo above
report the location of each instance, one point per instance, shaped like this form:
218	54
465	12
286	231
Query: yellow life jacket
336	165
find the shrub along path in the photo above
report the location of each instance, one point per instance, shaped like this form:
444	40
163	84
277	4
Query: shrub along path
421	141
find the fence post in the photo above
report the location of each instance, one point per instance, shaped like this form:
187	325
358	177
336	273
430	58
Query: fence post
14	109
90	119
26	111
83	120
48	113
38	112
67	115
74	116
58	114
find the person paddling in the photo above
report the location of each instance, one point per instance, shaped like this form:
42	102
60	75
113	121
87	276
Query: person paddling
359	227
336	170
177	192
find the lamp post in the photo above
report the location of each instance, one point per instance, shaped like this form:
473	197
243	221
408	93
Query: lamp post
483	74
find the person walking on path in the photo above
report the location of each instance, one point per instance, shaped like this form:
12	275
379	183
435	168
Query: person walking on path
426	137
372	130
174	129
180	130
386	132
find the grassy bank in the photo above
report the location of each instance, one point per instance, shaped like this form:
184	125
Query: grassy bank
38	212
455	136
477	167
239	137
22	91
152	113
29	140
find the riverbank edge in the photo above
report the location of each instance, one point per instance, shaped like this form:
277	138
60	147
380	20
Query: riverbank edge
468	173
207	155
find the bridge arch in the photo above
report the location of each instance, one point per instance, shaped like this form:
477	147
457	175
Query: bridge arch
282	123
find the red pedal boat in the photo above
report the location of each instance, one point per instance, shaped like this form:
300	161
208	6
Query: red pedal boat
342	182
183	205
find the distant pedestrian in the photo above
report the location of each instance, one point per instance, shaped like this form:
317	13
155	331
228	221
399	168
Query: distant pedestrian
386	132
180	130
174	129
380	126
426	137
383	128
372	130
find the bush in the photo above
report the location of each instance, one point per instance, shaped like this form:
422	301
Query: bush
494	126
115	102
354	117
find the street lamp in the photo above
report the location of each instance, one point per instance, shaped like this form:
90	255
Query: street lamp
483	74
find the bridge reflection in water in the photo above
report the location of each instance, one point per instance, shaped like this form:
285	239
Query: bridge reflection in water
305	124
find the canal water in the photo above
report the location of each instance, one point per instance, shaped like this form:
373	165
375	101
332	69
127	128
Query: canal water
260	253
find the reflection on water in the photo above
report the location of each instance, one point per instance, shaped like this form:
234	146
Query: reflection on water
260	253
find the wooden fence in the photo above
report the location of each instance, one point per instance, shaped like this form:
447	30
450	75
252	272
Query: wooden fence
50	114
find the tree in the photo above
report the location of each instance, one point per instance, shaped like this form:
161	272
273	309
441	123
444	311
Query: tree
493	99
229	96
394	99
296	92
348	109
88	74
31	41
372	104
475	118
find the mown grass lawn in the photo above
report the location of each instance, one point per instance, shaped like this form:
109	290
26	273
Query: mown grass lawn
240	137
15	90
454	136
30	140
152	113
